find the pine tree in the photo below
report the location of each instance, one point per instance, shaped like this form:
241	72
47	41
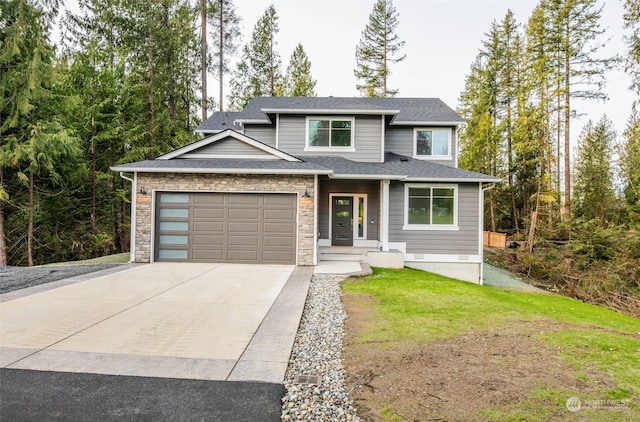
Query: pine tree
225	31
298	79
377	50
258	71
594	196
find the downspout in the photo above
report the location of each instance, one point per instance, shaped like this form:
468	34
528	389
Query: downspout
132	235
481	228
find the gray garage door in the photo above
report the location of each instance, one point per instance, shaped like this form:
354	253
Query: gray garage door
226	227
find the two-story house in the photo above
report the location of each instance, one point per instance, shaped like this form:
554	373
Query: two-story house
285	176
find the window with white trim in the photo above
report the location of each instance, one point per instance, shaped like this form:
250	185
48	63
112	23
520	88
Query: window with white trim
430	207
323	132
432	143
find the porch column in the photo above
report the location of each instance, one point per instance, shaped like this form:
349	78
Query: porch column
384	215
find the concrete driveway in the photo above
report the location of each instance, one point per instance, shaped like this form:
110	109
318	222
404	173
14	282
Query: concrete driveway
173	320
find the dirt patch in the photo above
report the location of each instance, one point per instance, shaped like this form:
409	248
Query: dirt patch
451	379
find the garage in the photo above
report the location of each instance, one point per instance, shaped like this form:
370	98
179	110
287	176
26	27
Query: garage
254	228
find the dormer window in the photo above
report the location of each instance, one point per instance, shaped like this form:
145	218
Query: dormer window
330	132
432	143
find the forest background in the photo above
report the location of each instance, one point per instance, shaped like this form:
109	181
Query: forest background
90	84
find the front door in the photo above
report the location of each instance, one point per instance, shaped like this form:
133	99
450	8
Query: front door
342	221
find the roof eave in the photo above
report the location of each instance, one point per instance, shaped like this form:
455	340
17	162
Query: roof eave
425	123
368	176
253	121
326	111
218	170
452	179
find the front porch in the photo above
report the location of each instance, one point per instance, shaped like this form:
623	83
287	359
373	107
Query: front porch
368	256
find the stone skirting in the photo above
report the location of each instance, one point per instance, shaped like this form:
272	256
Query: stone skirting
188	182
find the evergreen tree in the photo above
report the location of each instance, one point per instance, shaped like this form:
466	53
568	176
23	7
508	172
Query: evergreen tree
34	144
594	195
632	23
377	50
225	31
630	164
258	71
298	79
576	27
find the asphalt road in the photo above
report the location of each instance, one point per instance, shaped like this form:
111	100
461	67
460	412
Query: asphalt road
56	396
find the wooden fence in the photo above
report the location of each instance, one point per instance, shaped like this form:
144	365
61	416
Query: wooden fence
495	240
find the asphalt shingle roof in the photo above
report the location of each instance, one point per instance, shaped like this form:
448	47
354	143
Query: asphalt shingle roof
220	121
394	167
404	110
220	165
399	166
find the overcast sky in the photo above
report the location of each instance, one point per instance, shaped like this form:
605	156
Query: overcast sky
442	39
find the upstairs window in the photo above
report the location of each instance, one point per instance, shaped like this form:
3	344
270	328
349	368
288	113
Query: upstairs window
430	207
432	143
329	132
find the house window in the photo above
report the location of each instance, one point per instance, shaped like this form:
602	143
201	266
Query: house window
329	132
432	143
431	207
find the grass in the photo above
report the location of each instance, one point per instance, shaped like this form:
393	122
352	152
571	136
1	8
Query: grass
121	258
420	306
416	306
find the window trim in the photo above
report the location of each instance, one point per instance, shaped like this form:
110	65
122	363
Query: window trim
432	157
408	226
350	148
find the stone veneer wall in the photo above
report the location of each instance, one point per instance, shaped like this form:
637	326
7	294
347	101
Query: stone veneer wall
224	183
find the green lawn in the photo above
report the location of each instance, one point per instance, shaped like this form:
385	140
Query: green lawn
412	305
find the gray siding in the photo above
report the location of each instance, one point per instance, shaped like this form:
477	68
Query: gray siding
368	138
461	242
232	146
370	187
399	140
263	133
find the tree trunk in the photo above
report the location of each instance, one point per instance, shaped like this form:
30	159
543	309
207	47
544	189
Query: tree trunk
30	223
567	122
150	104
3	242
514	210
221	53
492	211
567	144
122	228
94	226
203	53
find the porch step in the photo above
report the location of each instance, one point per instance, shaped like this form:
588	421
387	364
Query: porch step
343	253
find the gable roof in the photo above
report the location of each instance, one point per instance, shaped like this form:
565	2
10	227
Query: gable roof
405	111
190	151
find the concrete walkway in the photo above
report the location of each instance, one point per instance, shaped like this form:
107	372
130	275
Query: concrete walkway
195	321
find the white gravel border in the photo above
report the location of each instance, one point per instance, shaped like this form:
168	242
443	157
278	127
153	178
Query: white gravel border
317	350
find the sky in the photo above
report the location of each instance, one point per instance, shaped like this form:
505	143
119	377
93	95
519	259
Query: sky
442	40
